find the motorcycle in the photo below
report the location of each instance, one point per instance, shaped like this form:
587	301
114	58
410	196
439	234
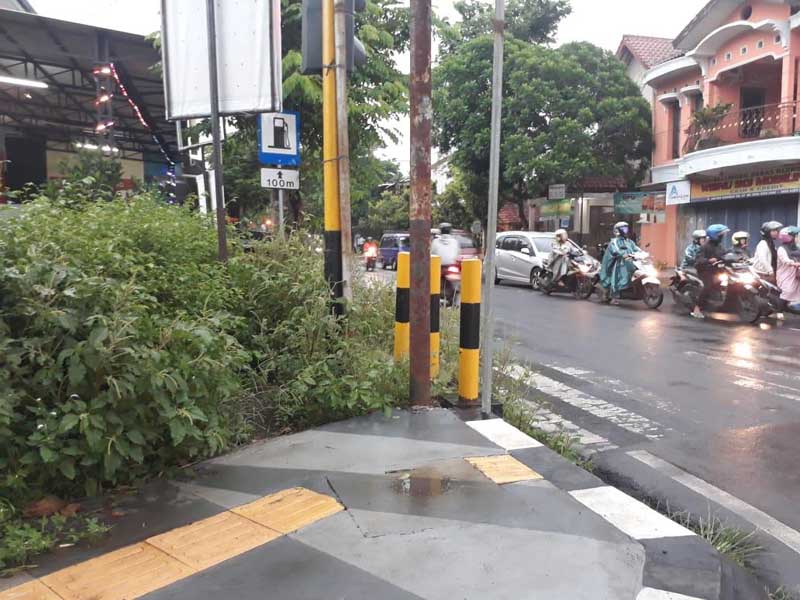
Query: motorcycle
370	258
580	280
645	285
451	284
740	290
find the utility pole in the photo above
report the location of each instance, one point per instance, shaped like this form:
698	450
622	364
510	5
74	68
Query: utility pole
343	142
491	228
330	168
213	79
420	208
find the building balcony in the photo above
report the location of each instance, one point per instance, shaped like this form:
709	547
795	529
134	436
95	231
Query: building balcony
759	137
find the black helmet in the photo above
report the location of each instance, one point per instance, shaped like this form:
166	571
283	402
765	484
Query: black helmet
770	226
445	228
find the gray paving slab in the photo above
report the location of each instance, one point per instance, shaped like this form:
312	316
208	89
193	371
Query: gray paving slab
435	425
562	473
285	569
349	452
444	559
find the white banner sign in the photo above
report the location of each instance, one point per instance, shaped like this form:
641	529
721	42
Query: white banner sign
679	192
280	179
248	57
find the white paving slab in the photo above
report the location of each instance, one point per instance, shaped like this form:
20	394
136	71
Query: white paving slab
654	594
629	515
503	434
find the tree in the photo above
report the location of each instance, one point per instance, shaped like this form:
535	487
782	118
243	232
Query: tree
568	113
533	21
456	204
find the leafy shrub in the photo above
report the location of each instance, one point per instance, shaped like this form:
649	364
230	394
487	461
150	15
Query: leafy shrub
126	348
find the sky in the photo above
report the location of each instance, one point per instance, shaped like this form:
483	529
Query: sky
602	22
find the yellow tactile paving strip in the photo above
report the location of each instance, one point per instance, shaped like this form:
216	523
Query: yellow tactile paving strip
142	568
289	510
204	544
503	468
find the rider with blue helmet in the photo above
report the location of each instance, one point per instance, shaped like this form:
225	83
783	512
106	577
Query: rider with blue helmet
709	256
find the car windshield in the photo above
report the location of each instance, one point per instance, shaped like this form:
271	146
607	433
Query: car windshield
543	244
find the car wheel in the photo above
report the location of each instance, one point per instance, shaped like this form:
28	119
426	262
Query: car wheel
536	281
496	278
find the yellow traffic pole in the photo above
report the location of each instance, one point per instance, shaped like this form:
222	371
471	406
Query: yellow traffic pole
469	340
402	310
436	301
330	167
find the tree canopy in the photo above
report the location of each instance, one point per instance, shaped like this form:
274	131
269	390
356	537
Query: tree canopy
568	112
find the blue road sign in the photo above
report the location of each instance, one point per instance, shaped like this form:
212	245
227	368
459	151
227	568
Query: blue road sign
279	139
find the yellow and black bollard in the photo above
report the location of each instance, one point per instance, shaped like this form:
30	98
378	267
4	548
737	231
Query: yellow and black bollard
469	339
402	311
436	301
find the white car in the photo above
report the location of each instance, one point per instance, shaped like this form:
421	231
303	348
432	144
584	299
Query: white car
519	256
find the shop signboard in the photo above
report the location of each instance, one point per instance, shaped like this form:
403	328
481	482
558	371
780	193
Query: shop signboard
765	183
556	209
629	203
679	192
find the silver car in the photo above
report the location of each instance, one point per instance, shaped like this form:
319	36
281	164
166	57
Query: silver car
520	255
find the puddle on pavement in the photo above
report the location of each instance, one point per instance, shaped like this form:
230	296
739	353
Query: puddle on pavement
424	482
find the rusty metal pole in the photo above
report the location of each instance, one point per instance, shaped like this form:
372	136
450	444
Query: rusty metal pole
420	209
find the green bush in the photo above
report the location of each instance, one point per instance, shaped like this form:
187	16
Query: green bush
127	349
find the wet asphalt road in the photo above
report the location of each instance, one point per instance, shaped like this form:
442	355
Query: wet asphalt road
724	397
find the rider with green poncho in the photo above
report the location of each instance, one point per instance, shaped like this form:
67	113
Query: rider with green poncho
617	269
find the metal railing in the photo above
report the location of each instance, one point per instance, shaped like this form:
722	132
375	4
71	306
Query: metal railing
753	123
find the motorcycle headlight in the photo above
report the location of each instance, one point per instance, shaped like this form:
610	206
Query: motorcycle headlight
650	271
747	278
584	269
723	278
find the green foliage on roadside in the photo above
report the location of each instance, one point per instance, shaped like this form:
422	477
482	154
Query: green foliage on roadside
568	113
127	349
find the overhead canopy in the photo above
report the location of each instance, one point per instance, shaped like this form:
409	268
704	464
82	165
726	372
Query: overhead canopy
63	55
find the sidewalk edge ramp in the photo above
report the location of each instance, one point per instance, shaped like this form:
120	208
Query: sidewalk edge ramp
144	567
627	514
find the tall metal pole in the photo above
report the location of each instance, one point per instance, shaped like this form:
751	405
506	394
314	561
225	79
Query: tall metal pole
343	140
491	227
330	168
420	209
213	79
281	230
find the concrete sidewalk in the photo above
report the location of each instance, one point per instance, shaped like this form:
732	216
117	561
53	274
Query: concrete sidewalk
417	505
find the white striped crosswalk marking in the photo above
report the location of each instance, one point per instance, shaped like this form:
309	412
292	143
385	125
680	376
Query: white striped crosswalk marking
782	391
550	422
600	408
743	363
758	518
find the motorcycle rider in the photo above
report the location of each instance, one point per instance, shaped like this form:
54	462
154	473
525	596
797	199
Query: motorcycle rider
617	269
707	260
765	260
446	246
370	243
559	255
692	250
740	240
788	272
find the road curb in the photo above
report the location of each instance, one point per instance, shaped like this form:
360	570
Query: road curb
679	564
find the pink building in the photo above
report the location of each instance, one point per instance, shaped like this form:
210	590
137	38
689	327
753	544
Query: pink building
739	165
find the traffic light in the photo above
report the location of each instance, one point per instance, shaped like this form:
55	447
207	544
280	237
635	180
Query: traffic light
311	37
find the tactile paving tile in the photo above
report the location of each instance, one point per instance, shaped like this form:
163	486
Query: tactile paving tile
289	510
127	573
213	540
33	590
503	469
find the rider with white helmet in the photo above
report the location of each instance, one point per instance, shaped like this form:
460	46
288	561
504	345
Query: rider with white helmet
699	238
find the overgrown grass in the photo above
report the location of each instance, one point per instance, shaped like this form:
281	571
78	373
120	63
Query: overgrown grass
22	539
736	544
780	594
